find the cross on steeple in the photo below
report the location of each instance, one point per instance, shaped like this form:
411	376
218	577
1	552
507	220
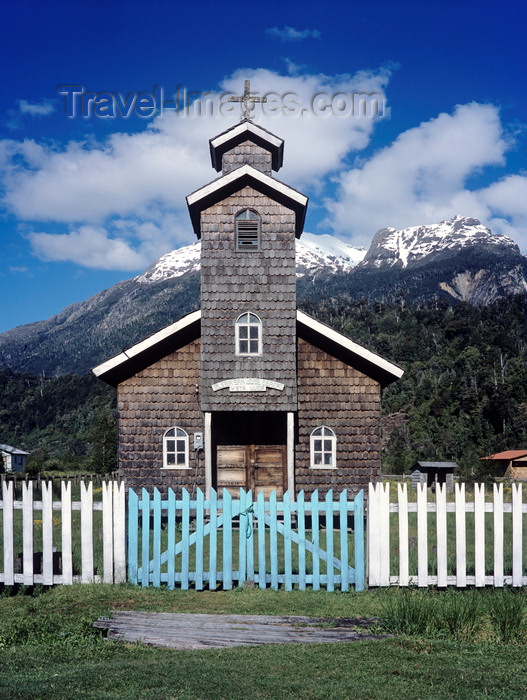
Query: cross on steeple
247	99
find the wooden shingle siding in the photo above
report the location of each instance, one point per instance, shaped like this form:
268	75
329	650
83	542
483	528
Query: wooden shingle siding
152	401
339	397
257	409
263	283
250	153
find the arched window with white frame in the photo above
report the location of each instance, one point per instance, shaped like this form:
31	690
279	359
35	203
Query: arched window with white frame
248	334
323	448
175	449
247	228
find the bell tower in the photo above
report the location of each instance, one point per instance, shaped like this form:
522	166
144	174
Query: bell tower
248	221
248	392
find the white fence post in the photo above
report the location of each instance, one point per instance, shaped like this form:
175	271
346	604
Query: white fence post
27	532
9	546
402	498
67	549
461	536
479	534
86	532
47	533
107	531
441	535
119	532
372	538
517	539
379	534
422	536
498	533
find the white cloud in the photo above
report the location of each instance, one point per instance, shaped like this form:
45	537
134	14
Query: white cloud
124	244
422	178
129	191
315	145
122	201
87	246
36	110
120	177
292	34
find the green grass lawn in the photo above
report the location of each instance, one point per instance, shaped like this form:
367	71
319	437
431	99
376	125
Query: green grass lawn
48	649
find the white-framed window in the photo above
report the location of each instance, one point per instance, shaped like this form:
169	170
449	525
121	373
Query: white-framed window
175	449
247	228
248	334
323	448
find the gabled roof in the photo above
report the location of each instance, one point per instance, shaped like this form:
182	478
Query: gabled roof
234	181
169	339
508	454
438	465
12	450
246	131
150	350
347	350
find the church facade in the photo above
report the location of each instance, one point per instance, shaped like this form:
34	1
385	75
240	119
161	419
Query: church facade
248	391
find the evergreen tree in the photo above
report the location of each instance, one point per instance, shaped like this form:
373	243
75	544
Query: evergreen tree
103	442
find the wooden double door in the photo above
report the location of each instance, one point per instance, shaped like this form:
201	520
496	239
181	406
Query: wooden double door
251	467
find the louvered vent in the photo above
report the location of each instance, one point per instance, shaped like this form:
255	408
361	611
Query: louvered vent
247	231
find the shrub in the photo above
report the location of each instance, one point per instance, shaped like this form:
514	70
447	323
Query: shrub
508	609
461	615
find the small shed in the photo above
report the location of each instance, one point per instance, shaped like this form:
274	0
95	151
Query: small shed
13	459
511	463
432	473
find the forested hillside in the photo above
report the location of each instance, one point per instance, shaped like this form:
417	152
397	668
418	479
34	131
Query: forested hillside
463	394
67	423
464	391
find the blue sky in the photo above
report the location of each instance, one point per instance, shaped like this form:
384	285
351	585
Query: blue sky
93	198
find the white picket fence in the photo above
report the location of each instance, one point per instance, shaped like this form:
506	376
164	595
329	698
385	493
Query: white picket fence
113	534
444	540
423	542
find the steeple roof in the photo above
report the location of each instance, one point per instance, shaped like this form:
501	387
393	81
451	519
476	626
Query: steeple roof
246	131
217	190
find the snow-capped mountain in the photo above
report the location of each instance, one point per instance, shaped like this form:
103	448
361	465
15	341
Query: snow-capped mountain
458	260
390	248
314	254
174	264
327	253
403	248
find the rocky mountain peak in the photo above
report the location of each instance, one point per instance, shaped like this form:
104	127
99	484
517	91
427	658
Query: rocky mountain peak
459	260
416	244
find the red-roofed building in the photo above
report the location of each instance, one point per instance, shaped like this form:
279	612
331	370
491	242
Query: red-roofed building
511	463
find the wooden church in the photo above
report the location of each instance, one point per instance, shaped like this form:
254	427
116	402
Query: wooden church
248	391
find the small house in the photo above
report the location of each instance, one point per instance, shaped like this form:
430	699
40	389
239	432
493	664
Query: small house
13	459
511	464
432	473
248	391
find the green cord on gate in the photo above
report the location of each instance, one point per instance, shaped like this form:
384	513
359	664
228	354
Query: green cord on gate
248	526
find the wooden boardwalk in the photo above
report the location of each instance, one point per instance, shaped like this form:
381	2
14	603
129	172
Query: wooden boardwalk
189	631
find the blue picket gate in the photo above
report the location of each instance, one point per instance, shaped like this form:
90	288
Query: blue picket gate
228	541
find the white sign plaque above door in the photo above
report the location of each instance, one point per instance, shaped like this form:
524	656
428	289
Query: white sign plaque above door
248	384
